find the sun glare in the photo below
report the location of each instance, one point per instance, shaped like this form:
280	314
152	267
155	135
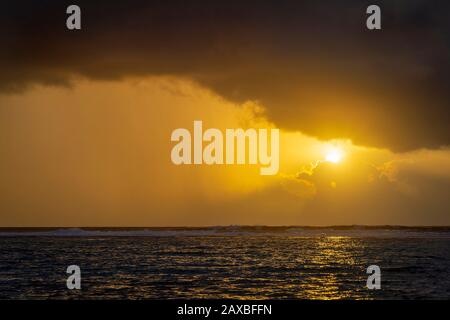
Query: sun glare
334	156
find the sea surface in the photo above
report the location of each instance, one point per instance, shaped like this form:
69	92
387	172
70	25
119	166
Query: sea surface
226	262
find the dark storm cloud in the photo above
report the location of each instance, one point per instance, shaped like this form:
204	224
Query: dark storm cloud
313	64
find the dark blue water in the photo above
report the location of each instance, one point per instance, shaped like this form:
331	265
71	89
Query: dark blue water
243	264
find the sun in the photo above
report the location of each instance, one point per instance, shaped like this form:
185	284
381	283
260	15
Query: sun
334	156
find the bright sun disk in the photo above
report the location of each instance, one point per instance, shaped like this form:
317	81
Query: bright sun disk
334	156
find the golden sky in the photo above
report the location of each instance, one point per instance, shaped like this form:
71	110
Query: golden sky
97	153
86	115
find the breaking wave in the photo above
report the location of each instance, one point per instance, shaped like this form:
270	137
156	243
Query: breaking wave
339	231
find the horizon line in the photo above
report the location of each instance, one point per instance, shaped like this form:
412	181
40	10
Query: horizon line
232	226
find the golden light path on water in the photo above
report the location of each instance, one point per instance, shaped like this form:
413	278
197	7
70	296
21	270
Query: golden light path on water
319	271
334	252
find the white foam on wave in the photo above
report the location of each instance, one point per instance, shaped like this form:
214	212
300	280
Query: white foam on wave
230	231
78	232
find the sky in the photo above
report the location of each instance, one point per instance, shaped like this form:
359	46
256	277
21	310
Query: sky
86	116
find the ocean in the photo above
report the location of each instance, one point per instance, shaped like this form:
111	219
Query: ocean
225	262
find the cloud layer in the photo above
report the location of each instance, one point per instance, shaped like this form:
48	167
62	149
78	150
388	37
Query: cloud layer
312	64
